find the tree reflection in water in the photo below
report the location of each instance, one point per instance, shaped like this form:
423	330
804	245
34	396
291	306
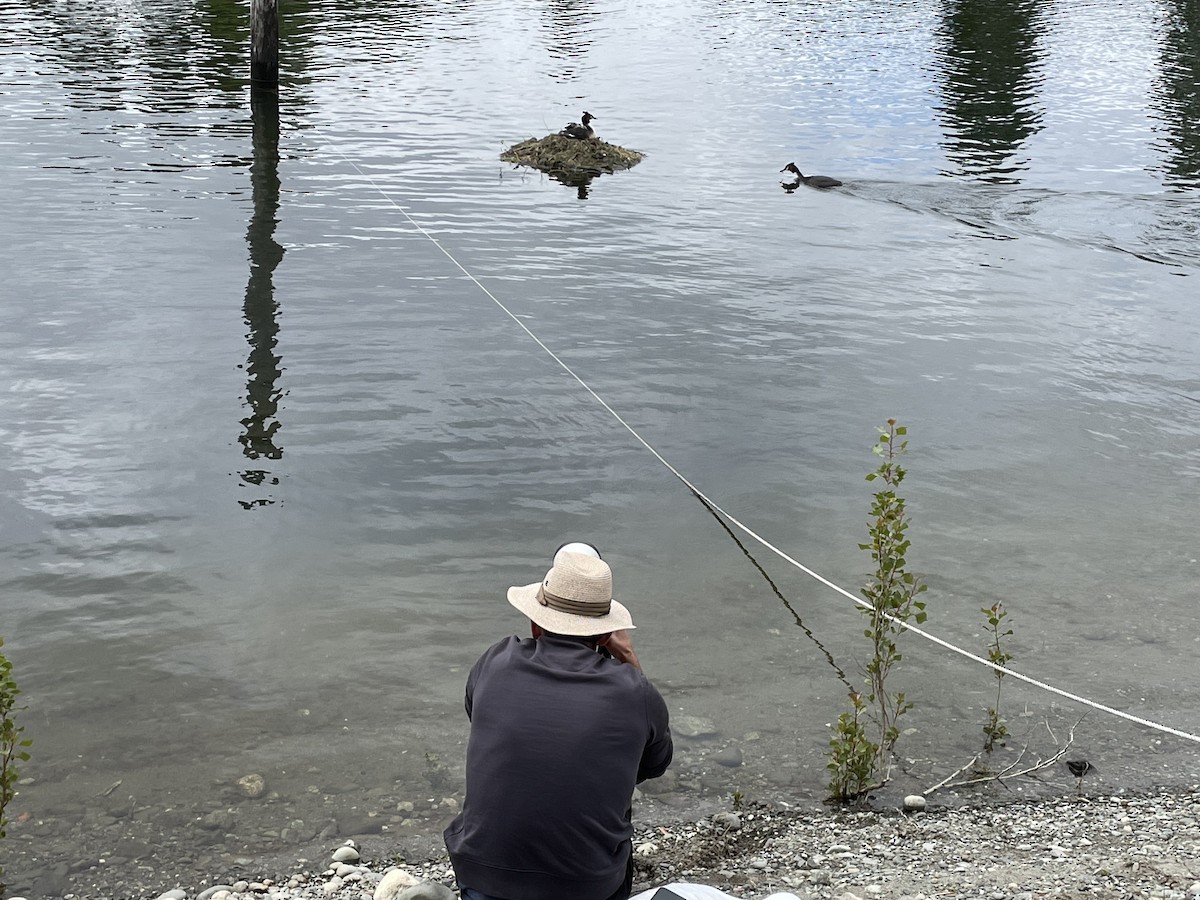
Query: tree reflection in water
989	72
1177	94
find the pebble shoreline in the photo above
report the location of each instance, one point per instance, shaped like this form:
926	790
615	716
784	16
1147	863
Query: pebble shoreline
1123	846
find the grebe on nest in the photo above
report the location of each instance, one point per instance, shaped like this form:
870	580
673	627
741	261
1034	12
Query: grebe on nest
580	131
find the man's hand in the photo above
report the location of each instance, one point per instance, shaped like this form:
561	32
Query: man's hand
618	643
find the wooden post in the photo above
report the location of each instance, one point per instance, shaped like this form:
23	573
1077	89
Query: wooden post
264	44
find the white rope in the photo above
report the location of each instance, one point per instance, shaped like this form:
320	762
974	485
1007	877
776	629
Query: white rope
749	531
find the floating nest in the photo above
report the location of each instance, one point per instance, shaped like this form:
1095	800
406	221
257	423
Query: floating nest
571	159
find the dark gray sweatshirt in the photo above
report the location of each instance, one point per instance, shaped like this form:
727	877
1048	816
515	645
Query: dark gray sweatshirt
560	734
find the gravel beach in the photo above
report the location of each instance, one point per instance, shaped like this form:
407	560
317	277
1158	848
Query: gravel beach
1143	845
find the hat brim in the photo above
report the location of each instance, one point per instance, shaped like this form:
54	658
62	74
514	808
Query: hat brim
525	598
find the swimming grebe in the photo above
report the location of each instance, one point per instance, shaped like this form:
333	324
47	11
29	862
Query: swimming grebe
582	132
817	181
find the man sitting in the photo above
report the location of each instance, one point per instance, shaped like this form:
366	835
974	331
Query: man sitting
563	725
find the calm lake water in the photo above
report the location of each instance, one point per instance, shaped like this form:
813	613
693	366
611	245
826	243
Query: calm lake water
270	460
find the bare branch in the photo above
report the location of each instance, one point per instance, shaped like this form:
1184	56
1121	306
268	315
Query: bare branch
951	776
1010	771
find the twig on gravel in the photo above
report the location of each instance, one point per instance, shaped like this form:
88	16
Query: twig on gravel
112	787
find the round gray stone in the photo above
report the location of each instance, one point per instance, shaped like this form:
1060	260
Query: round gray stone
692	727
730	757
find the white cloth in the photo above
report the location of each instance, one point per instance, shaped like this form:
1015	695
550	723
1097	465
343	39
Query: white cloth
575	547
703	892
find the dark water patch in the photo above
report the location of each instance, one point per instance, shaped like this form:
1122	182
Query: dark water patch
102	522
143	583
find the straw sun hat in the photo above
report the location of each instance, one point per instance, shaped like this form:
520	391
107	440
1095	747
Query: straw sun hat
574	598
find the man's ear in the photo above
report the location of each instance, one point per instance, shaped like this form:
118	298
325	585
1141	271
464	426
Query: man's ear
536	630
603	640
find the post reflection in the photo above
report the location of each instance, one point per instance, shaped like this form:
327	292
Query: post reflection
261	312
581	181
568	25
989	73
1177	93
